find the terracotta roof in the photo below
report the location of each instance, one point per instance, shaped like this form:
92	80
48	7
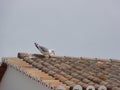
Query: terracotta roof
68	71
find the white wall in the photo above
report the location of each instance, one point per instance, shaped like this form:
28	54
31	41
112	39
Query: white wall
14	80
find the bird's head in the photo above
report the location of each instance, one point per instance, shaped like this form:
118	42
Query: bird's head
51	52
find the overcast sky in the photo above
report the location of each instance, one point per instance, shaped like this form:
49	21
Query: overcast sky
88	28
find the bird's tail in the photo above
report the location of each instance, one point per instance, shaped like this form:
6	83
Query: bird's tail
37	46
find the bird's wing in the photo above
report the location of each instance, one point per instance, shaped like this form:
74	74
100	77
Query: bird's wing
44	49
41	48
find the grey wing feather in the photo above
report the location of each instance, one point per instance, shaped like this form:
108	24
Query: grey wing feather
44	49
41	48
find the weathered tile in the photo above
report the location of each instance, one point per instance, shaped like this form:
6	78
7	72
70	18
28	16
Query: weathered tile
79	70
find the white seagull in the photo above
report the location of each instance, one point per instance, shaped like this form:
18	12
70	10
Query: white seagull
44	50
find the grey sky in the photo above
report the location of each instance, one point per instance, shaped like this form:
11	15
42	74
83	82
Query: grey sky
89	28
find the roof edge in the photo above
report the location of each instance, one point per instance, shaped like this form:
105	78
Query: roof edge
19	68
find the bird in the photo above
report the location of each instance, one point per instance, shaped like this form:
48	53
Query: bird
44	51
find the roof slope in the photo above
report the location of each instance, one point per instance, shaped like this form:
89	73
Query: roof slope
68	71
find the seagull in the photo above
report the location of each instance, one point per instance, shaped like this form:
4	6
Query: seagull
44	50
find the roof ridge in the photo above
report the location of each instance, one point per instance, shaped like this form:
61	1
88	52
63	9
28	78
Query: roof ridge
23	54
87	58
